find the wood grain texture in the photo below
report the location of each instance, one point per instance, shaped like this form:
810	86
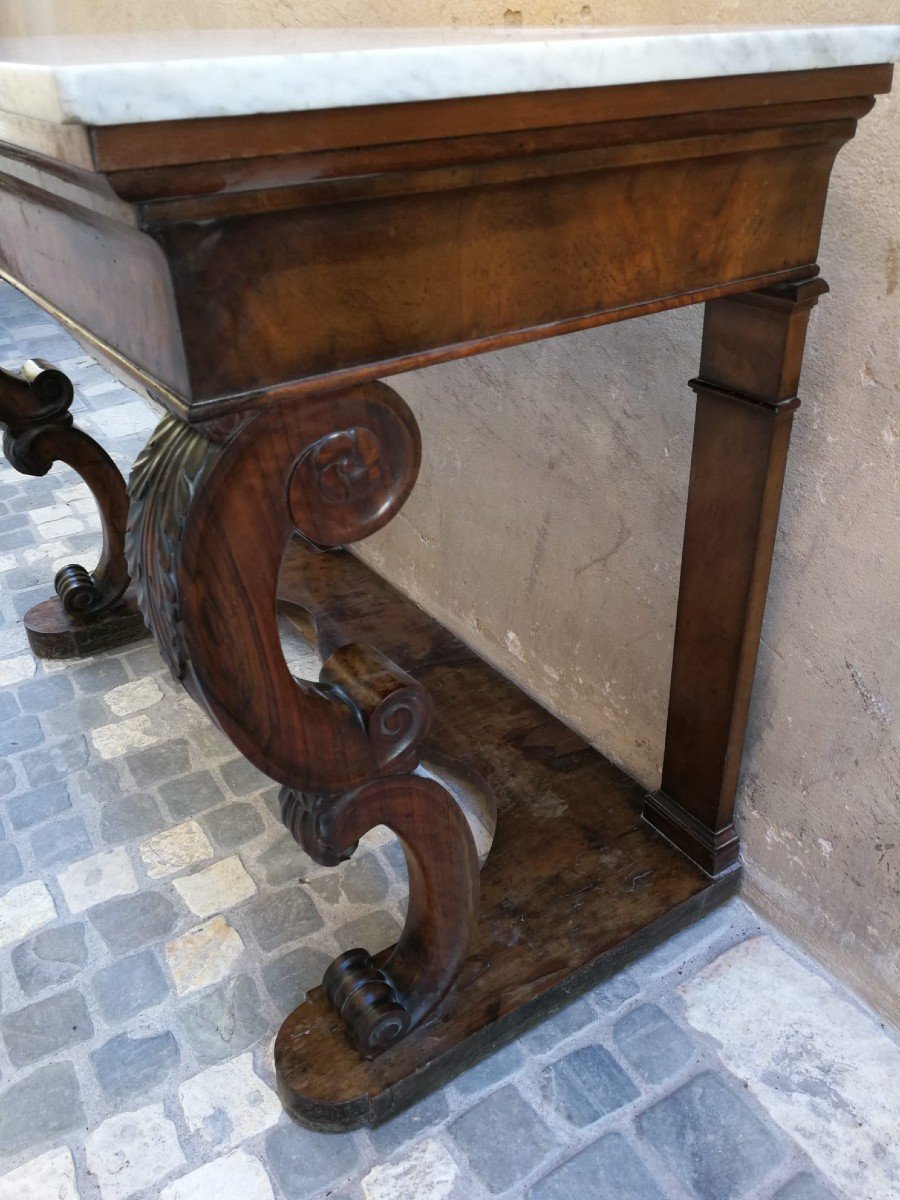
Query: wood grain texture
575	887
38	432
380	1003
266	270
52	633
746	397
208	528
396	236
166	142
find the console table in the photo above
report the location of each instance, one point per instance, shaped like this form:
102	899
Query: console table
256	230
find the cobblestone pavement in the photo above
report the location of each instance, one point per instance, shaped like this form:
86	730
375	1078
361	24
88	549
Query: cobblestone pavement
157	924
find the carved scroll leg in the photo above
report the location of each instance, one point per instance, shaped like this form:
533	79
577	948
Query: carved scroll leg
209	525
467	787
380	1004
89	613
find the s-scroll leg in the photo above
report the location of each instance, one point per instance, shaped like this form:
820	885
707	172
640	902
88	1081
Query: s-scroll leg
208	529
91	610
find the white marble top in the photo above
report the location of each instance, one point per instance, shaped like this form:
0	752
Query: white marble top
121	80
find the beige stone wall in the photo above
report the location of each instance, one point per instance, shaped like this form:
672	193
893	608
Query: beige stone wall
80	16
547	523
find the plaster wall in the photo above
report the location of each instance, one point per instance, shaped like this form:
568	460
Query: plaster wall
546	526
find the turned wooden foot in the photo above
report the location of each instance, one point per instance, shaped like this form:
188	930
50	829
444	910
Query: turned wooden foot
91	610
210	521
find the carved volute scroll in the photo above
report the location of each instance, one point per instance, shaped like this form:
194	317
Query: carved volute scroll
38	431
208	527
380	1004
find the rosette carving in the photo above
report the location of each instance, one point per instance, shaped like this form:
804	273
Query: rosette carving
349	482
346	465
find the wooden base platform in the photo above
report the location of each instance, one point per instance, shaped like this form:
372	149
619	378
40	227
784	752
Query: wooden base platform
52	633
575	887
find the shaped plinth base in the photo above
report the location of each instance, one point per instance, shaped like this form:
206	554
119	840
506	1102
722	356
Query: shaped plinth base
52	633
575	887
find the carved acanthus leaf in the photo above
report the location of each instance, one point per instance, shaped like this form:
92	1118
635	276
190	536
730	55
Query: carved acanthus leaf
163	482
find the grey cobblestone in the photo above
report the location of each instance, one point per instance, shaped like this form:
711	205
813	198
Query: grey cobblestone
53	763
284	862
613	993
13	521
651	1043
411	1124
49	958
143	660
191	794
233	825
60	842
39	695
155	763
503	1138
130	985
20	733
81	715
804	1187
586	1084
131	817
549	1033
500	1065
129	922
361	881
10	864
223	1020
608	1170
307	1163
101	675
46	1027
290	977
18	539
30	807
375	931
711	1140
41	1105
133	1066
24	600
242	778
22	577
281	917
99	782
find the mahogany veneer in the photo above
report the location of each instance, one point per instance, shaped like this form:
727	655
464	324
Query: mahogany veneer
257	277
601	888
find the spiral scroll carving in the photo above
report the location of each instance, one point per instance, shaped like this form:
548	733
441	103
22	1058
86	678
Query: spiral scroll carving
349	482
164	480
348	465
400	722
38	432
380	1002
208	527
